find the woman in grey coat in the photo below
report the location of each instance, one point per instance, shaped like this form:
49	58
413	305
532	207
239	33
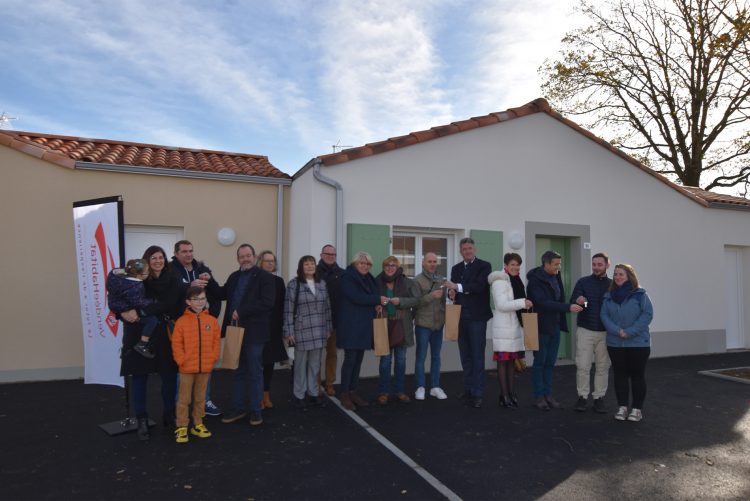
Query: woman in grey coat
307	326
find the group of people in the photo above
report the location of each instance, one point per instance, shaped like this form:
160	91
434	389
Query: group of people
171	329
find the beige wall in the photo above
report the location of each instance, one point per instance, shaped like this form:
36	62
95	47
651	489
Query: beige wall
41	335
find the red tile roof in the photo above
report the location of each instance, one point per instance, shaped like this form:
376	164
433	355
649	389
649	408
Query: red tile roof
66	151
540	105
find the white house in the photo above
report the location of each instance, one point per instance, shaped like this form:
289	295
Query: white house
527	180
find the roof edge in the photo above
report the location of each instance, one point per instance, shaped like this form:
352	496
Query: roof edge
183	173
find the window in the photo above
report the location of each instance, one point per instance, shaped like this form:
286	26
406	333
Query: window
409	247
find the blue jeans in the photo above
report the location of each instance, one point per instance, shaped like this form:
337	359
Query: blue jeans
139	384
433	339
472	342
149	323
248	377
350	369
399	370
544	362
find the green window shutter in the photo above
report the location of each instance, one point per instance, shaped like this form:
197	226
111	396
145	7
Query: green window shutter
375	239
489	246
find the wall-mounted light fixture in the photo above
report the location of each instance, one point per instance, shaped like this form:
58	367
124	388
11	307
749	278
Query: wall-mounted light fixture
226	236
516	240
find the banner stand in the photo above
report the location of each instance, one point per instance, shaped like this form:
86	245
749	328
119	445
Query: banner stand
100	246
127	424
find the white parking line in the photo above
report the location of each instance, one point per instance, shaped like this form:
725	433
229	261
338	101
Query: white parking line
434	482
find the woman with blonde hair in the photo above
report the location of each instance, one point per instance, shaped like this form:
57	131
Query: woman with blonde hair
626	314
359	302
394	285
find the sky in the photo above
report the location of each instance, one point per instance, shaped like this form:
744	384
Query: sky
281	78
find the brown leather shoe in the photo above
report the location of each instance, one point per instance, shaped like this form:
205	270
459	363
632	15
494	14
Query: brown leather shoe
403	398
359	401
346	401
382	399
330	391
266	403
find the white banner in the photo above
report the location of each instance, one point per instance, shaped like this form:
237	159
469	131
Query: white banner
97	236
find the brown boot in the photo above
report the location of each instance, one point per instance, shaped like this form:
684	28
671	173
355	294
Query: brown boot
266	404
346	401
361	402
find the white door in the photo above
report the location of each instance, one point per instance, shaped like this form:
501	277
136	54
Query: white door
140	238
734	298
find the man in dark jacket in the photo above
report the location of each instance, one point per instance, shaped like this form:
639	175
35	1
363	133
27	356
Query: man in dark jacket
545	290
330	272
250	294
191	272
591	336
469	287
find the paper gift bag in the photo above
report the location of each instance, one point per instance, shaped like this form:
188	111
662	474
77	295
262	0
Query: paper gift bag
452	317
380	336
230	359
530	330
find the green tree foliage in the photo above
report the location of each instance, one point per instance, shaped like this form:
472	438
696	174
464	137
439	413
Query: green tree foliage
667	81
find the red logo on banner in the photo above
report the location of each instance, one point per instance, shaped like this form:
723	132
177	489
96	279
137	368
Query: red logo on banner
107	265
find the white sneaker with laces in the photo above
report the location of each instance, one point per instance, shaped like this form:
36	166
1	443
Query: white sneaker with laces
438	393
635	415
419	394
621	413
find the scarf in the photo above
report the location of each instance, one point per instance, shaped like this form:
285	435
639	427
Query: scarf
519	292
619	294
399	290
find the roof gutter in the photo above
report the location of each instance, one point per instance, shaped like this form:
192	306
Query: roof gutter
160	171
317	163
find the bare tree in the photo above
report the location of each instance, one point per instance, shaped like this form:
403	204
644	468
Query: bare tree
668	81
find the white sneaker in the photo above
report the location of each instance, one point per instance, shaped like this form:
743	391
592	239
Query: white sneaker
438	393
622	414
635	415
419	394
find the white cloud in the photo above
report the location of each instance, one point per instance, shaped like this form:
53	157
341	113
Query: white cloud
381	70
516	38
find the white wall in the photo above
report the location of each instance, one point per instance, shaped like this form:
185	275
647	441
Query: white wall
535	168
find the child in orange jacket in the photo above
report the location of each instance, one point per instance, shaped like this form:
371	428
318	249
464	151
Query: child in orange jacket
196	346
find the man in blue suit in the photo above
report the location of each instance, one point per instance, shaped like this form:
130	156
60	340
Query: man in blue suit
469	287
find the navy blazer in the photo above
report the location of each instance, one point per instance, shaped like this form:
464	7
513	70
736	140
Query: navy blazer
475	299
255	306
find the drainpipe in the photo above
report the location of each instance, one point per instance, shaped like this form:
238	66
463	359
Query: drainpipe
339	203
279	227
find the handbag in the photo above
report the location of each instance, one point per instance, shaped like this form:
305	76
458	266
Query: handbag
380	336
530	330
452	317
396	335
230	359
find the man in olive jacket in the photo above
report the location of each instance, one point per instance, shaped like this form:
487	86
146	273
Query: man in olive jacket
428	320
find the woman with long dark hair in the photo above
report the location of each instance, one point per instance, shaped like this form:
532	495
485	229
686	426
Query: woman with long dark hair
163	287
307	326
626	314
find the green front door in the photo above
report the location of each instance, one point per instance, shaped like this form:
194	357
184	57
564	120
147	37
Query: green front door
561	245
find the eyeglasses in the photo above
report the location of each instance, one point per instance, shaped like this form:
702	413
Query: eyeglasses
198	299
390	266
329	254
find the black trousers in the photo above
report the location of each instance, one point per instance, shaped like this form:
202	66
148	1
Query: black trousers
629	369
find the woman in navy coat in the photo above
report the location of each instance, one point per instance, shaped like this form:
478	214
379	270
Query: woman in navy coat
359	303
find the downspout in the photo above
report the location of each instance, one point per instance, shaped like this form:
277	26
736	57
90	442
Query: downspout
279	227
339	204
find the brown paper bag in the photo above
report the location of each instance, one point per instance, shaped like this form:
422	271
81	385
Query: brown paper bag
452	317
530	330
230	359
380	336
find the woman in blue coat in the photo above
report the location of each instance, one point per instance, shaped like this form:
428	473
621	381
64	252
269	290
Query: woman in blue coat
359	302
626	314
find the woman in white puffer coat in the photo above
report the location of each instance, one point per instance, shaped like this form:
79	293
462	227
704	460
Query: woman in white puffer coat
508	298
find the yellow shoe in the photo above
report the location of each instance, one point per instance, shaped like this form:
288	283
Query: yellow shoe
200	431
180	435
